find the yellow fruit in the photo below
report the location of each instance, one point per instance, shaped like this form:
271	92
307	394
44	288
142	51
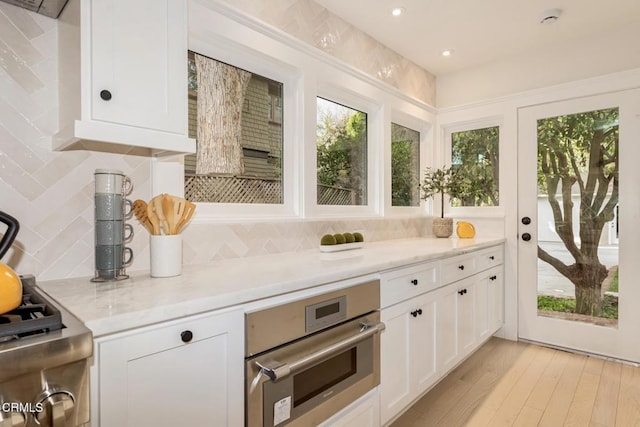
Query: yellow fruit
10	289
465	230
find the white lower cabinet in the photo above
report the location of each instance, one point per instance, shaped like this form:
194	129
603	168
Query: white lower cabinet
428	335
365	412
185	372
407	355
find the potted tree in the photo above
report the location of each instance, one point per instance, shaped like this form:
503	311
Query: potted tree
440	182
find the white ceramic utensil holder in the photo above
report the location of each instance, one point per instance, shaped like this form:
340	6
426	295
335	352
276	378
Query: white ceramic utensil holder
166	255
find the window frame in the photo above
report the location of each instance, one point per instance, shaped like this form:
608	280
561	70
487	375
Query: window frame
340	95
447	131
425	128
265	66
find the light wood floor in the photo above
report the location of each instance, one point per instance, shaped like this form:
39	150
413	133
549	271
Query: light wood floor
506	383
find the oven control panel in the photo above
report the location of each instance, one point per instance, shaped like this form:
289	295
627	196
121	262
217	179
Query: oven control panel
325	313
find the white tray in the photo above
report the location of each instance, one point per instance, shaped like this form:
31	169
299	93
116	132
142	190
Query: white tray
342	247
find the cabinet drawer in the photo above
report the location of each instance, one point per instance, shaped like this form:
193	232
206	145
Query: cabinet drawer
458	267
405	283
489	258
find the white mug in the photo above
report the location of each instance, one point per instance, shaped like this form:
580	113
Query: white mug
112	181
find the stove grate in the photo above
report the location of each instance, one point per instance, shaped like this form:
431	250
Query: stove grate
34	316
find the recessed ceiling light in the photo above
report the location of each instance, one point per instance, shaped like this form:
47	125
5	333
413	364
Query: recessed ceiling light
447	52
397	11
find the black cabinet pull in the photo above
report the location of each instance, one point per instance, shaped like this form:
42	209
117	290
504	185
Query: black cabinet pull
186	336
461	267
415	282
461	292
492	257
417	312
105	95
493	277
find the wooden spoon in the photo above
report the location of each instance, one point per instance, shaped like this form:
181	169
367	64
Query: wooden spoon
167	211
140	211
153	219
156	202
186	216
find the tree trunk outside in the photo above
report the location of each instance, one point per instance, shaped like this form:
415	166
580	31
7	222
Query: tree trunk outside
589	299
221	93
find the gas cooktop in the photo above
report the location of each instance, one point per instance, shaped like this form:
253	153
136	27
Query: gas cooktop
34	316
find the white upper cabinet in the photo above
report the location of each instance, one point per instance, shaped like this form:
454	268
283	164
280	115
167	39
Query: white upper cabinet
123	75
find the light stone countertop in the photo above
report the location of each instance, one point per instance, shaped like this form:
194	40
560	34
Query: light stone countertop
111	307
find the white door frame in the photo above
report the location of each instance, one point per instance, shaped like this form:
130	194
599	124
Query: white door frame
621	343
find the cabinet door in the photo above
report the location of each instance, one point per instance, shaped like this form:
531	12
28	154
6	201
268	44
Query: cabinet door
483	324
466	293
423	343
154	378
395	360
139	55
495	299
446	328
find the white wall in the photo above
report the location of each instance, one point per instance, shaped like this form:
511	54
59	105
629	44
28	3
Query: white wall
561	63
51	193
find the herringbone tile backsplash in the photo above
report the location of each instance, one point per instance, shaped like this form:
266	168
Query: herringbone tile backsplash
51	193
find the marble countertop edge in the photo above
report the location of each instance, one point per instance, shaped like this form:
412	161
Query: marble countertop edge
113	307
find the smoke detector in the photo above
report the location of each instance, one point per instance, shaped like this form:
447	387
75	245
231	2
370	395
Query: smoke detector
550	16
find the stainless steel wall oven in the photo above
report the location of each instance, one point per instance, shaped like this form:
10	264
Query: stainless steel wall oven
307	359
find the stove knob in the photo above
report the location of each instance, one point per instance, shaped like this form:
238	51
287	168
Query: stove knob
57	408
13	419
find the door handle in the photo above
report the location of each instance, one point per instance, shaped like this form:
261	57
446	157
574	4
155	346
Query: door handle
280	371
526	237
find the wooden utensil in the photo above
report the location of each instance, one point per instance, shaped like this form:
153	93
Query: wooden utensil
156	202
140	211
153	219
186	216
168	212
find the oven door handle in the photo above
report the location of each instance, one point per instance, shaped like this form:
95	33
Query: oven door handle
278	371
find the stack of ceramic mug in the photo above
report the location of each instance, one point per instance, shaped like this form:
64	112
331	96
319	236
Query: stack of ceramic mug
112	209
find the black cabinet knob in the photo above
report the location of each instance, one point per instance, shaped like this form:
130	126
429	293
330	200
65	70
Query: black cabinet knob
461	267
526	220
492	257
493	277
461	292
415	282
186	336
105	95
420	311
414	313
526	237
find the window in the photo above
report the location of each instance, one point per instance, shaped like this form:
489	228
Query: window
236	118
341	141
405	166
474	155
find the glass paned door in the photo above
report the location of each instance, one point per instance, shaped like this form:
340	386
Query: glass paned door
575	172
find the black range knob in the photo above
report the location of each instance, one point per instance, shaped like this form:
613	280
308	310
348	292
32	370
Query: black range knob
186	336
415	282
105	95
526	237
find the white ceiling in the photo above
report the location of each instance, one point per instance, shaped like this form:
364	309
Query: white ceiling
480	31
